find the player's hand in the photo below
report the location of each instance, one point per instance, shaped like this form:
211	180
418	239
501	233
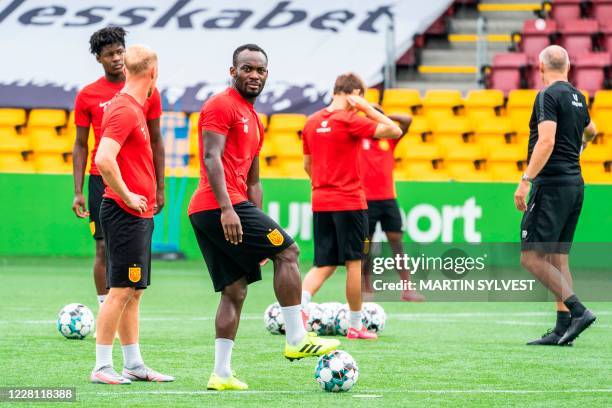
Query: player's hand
136	202
232	228
160	201
359	103
78	206
520	195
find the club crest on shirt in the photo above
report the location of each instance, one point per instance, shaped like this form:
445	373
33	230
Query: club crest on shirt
275	237
324	128
134	273
384	145
245	125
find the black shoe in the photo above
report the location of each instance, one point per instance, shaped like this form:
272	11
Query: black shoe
550	338
577	326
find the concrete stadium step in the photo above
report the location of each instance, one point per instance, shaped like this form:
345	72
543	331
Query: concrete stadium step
495	26
423	86
467	42
447	57
463	74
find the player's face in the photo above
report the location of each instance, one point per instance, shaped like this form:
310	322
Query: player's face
250	73
111	58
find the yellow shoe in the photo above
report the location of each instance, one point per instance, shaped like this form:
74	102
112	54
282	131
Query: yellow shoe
310	346
222	384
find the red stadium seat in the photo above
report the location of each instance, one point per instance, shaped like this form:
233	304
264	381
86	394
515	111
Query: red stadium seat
537	35
508	68
606	29
602	10
589	71
577	36
564	10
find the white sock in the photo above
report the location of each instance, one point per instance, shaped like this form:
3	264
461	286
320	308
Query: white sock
131	356
306	296
223	357
355	320
104	356
101	299
294	325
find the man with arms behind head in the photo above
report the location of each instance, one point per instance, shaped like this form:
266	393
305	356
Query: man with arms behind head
125	160
108	46
234	235
559	126
332	141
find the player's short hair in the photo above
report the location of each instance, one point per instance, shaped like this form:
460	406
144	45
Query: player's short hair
106	36
555	58
347	83
250	47
139	58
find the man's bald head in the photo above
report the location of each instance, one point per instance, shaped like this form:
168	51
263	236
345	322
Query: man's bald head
555	58
139	59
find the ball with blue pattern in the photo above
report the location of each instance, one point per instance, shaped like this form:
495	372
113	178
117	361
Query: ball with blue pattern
75	321
336	371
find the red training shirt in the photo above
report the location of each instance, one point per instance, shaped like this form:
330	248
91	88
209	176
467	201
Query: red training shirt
229	114
333	140
89	108
377	164
124	121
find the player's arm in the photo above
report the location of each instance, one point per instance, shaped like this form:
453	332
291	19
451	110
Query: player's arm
307	164
589	134
213	151
106	161
386	128
254	190
404	122
159	158
80	151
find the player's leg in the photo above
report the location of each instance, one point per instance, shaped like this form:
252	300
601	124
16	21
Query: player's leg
314	279
99	271
95	192
373	218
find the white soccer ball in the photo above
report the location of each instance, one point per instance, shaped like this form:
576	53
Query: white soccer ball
75	321
273	319
342	320
373	317
336	371
330	309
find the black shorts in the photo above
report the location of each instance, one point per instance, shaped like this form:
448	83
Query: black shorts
96	191
128	246
385	211
339	236
262	238
550	221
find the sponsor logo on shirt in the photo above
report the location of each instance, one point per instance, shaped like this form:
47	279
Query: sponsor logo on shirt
245	125
366	144
324	128
575	101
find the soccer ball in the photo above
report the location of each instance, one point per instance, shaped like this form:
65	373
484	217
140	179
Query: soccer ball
336	371
320	319
373	317
273	319
329	317
75	321
341	320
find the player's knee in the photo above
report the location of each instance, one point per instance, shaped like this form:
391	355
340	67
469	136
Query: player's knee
529	259
289	255
100	252
120	295
236	293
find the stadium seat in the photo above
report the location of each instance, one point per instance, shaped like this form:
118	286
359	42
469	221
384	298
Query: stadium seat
372	95
466	163
193	120
589	71
602	107
419	128
482	104
53	163
596	173
287	147
292	167
270	169
606	30
602	11
597	153
508	71
264	120
494	132
441	104
287	122
577	36
519	107
16	163
401	101
421	170
47	140
417	151
537	35
566	10
12	117
452	131
50	118
507	162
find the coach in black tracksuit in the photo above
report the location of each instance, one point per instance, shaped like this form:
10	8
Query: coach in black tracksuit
559	127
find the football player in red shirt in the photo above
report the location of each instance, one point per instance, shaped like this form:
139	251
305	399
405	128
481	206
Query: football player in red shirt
108	45
332	141
234	235
125	161
377	162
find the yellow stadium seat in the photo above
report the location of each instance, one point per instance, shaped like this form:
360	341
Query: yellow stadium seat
194	146
264	120
52	118
493	132
267	149
12	117
452	131
286	123
292	167
419	128
11	141
482	104
596	153
269	168
372	95
405	101
519	107
53	163
288	146
596	173
507	162
420	170
193	121
440	104
417	151
47	140
602	110
16	163
466	163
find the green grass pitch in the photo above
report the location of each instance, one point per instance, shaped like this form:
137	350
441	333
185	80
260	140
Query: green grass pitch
430	354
